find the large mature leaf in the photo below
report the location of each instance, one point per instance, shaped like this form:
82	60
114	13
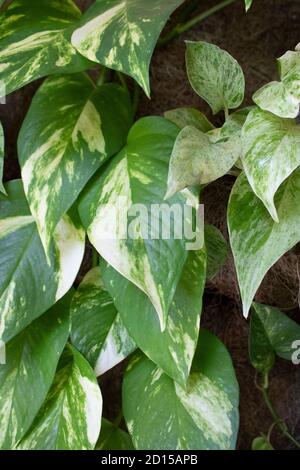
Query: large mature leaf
289	66
161	414
183	117
173	350
31	360
130	190
215	75
113	438
271	332
28	285
257	241
216	248
70	418
97	329
1	158
121	34
35	41
59	150
199	158
271	152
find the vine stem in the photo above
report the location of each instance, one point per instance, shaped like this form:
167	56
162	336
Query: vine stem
181	28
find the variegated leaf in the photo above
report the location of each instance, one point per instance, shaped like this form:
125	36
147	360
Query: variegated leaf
183	117
275	98
289	67
61	149
28	285
174	349
97	329
31	360
70	418
113	438
215	75
2	190
216	248
256	240
199	158
271	152
35	41
117	210
122	34
271	332
248	4
162	415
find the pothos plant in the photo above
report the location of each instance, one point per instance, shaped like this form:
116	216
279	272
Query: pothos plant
80	153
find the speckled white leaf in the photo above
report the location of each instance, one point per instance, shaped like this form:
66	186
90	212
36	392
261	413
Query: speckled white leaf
256	240
31	360
183	117
122	34
289	67
59	150
28	285
35	41
162	415
70	418
138	175
275	98
97	329
271	152
1	158
215	75
173	350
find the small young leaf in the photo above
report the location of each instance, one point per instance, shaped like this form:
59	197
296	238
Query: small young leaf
122	34
136	178
173	350
70	418
261	443
183	117
215	75
28	284
97	330
216	248
2	190
113	438
31	360
61	149
162	415
271	332
271	152
35	41
256	240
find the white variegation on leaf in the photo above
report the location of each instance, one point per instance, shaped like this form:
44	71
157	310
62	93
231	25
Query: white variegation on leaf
256	240
122	34
35	41
2	190
183	117
174	349
289	67
117	208
97	329
25	379
59	150
215	75
271	152
70	418
161	415
25	275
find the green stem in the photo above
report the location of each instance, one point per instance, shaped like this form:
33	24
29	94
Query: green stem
122	80
181	28
103	76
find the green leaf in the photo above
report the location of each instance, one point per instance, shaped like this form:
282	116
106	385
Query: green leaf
113	438
174	349
248	4
289	67
162	415
261	443
199	158
59	151
271	332
215	75
131	187
28	285
122	34
183	117
2	190
256	240
216	248
275	98
97	329
31	360
35	41
70	418
271	152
